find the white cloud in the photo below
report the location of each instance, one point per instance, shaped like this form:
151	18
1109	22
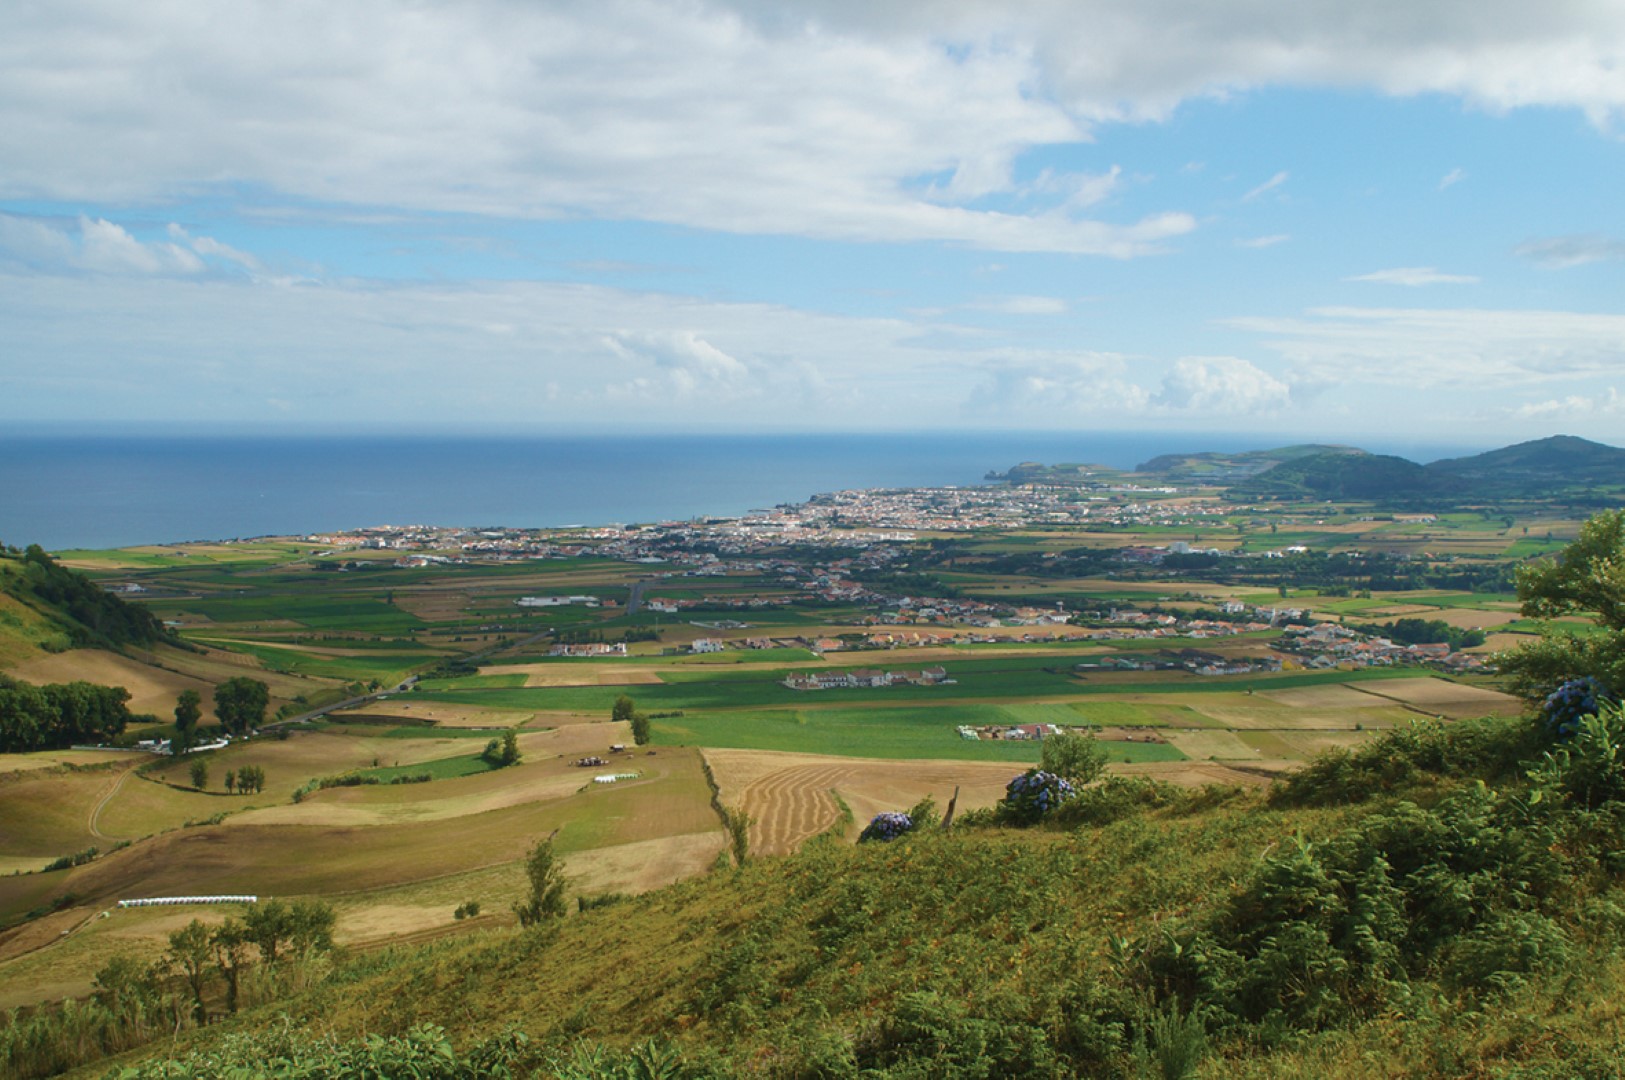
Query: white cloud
98	246
1415	276
820	117
1451	178
1218	385
1573	407
1264	241
1024	305
1043	387
1561	252
689	365
524	353
1425	349
1267	186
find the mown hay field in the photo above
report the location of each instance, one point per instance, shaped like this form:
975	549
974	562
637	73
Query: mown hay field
790	794
152	689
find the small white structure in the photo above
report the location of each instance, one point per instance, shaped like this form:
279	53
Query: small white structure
610	778
165	901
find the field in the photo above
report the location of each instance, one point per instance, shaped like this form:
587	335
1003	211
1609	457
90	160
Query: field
152	689
397	858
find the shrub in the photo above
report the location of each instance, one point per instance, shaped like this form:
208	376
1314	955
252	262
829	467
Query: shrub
1116	798
887	825
1032	795
1564	707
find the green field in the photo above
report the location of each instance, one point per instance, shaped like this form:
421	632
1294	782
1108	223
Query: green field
440	769
885	733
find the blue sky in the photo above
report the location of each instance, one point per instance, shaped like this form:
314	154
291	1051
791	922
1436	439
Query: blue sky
1388	221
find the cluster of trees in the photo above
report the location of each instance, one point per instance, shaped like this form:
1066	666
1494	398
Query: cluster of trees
98	617
197	952
587	636
502	752
59	714
1424	632
625	709
240	703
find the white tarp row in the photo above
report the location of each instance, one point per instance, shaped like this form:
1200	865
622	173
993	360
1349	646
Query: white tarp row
158	901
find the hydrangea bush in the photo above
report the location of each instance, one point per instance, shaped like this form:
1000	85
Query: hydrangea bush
887	825
1033	794
1565	706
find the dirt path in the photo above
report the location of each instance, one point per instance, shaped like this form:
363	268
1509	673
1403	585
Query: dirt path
96	811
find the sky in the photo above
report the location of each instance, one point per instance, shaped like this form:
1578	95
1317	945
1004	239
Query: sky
1397	220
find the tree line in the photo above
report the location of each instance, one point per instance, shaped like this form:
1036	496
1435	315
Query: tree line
57	715
98	616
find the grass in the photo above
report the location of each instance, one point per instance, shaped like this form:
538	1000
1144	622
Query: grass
886	733
389	668
1000	681
448	768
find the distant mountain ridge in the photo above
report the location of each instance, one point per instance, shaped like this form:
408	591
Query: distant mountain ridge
1540	467
1566	459
1213	467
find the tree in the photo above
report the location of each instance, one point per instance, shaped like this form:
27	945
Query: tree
624	709
640	728
191	948
268	926
738	823
510	748
1076	758
1587	578
188	711
231	944
240	703
230	781
200	773
547	884
250	778
307	925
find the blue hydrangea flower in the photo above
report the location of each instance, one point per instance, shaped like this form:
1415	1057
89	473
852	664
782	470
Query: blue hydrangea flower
1033	794
1564	707
886	825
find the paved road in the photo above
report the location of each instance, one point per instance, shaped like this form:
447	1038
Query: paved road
634	599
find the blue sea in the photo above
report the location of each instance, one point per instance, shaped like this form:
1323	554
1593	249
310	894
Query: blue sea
65	492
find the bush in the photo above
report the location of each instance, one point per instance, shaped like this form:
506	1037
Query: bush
887	825
1032	795
1564	707
1117	797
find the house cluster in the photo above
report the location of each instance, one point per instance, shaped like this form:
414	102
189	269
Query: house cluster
867	677
1018	732
1330	645
1192	660
589	648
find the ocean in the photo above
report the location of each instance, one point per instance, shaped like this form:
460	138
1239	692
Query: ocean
66	492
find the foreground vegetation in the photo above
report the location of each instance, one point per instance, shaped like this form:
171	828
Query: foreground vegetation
1445	901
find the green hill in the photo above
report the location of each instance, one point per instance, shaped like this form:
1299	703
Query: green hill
1562	461
1424	906
1221	468
1350	475
44	606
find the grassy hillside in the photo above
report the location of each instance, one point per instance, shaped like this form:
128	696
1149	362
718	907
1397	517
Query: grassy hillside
1423	906
1379	477
45	607
1540	465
